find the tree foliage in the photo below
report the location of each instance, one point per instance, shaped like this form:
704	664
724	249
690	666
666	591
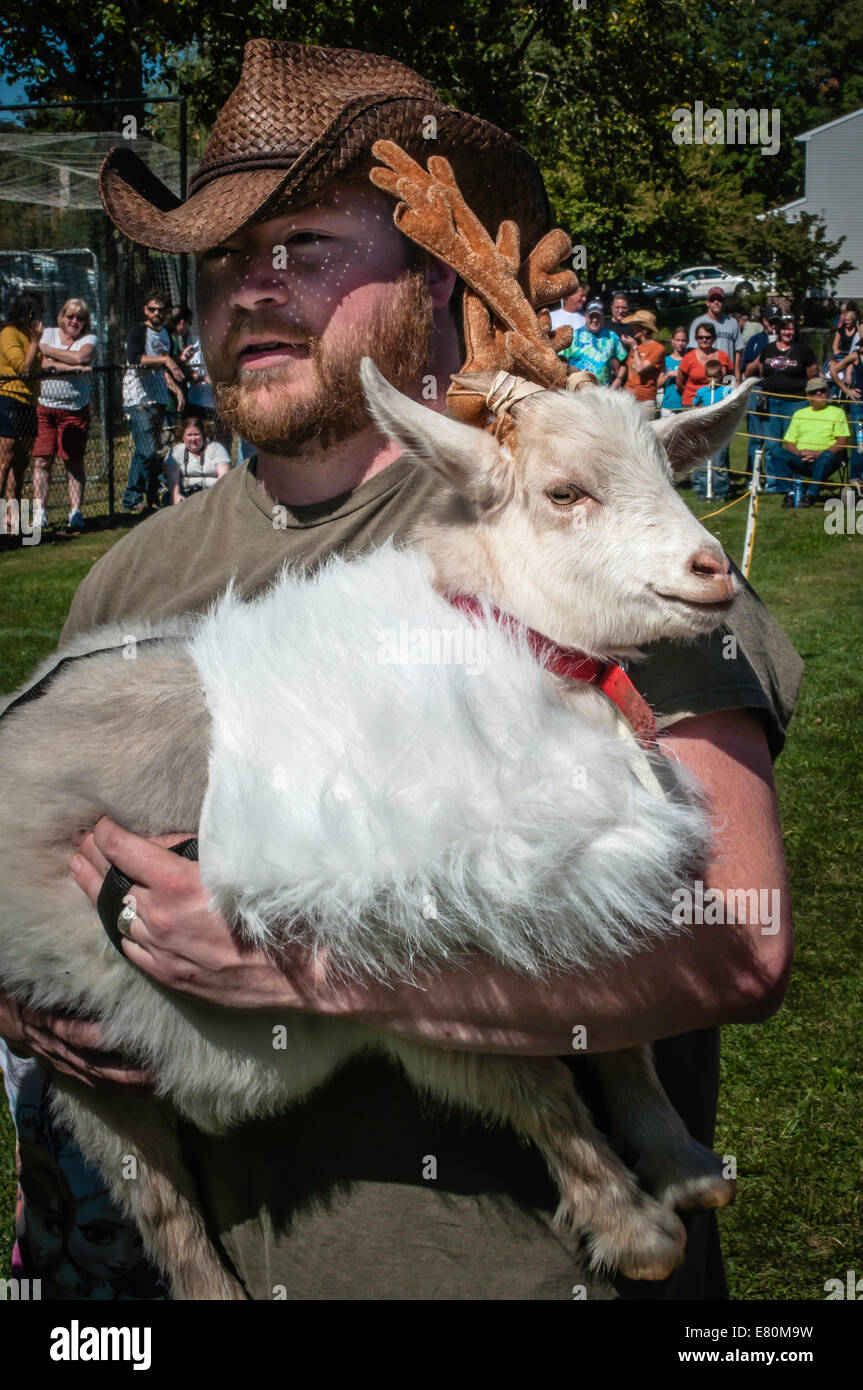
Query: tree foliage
800	255
590	91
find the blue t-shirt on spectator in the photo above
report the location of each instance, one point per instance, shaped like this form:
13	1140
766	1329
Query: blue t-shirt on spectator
754	348
711	395
670	394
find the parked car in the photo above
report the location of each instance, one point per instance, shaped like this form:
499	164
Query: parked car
698	281
648	293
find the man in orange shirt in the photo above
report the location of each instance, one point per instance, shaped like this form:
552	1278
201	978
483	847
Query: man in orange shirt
645	361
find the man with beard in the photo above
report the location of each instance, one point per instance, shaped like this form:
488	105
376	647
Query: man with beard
301	272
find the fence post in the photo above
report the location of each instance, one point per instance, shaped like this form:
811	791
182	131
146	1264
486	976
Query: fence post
749	538
109	411
184	260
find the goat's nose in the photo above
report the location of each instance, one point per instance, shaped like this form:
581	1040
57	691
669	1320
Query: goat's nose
713	568
709	564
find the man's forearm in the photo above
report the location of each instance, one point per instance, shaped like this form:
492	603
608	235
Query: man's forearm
714	974
673	988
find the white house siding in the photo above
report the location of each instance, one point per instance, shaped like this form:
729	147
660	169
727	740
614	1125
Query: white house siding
834	190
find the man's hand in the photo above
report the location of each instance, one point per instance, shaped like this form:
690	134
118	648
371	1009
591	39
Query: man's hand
176	938
69	1045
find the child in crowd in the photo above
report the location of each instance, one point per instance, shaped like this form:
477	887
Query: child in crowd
710	394
671	400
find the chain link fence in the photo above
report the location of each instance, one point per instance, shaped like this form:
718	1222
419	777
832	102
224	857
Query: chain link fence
65	248
114	292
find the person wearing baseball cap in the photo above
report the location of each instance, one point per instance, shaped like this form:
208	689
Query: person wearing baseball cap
334	1199
729	338
596	349
815	441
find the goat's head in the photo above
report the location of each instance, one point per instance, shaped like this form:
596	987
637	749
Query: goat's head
578	531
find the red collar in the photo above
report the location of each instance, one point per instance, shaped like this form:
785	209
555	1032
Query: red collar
574	665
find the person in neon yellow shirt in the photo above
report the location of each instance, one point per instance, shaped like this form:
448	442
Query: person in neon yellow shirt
816	435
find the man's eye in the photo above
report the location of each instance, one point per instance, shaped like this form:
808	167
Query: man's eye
216	253
306	238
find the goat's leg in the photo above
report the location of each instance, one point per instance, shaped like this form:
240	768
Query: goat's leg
624	1227
678	1170
155	1190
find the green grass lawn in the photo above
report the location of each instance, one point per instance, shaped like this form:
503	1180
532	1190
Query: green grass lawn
792	1093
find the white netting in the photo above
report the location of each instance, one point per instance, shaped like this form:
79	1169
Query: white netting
61	169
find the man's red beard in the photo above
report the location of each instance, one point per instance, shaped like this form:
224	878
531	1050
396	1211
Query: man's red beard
397	336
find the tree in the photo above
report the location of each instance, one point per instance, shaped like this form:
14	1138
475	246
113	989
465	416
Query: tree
590	91
800	257
804	59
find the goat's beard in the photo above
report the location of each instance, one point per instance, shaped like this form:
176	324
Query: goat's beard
397	335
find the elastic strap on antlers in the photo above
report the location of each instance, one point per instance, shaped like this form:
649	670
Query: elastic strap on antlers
506	389
577	380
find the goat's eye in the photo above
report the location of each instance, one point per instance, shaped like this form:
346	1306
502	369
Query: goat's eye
564	494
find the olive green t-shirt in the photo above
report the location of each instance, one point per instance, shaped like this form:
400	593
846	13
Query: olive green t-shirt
367	1191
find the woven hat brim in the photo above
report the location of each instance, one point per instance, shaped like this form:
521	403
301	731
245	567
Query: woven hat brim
498	175
148	212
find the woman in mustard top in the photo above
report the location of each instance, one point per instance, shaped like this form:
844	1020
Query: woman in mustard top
19	355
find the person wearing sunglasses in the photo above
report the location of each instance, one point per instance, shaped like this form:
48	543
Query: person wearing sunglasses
69	353
146	399
692	372
815	440
784	366
594	349
729	337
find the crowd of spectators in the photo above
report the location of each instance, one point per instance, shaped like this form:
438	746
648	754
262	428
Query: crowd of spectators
46	380
718	350
166	385
46	376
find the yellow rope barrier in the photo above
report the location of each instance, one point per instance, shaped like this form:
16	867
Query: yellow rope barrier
784	478
742	498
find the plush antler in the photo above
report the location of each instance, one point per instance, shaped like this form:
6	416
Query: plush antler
503	332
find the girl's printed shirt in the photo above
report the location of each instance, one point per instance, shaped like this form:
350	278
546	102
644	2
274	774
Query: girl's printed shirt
70	1235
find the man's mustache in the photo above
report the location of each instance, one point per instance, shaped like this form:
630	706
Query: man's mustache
267	330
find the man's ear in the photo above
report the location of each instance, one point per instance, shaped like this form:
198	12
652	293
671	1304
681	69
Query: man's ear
692	435
463	456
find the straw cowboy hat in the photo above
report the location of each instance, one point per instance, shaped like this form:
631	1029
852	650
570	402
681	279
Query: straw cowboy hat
301	116
644	317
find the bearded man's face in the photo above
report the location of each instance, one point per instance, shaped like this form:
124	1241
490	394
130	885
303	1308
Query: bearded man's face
288	307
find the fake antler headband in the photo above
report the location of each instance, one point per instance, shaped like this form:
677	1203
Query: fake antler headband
507	329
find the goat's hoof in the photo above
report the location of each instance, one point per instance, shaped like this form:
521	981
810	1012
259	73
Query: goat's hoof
646	1241
702	1193
691	1180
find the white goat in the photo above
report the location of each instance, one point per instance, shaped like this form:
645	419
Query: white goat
339	792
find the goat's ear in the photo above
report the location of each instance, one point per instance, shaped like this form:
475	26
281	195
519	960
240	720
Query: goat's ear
465	457
692	435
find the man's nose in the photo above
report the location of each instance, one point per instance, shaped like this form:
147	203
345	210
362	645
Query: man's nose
259	282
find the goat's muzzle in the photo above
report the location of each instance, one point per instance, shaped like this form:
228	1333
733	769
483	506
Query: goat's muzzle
709	581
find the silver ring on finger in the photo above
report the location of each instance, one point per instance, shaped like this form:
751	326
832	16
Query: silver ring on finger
125	919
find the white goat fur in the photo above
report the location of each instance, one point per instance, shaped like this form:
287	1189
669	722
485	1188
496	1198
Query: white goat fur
339	795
